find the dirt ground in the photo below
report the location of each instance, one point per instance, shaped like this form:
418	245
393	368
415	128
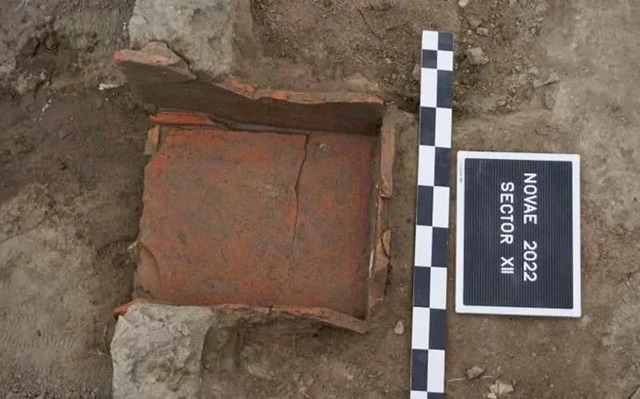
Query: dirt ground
562	76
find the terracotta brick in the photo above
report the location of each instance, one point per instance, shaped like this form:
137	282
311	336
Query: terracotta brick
378	269
181	118
387	154
163	81
153	140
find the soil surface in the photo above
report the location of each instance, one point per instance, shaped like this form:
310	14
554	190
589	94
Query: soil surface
561	76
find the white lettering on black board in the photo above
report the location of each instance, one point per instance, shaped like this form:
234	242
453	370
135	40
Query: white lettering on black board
507	226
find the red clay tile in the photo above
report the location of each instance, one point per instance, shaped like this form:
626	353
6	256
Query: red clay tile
180	118
262	219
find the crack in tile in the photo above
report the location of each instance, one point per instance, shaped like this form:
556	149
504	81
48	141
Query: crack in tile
296	188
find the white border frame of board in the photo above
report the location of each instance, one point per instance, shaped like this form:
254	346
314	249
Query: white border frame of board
576	311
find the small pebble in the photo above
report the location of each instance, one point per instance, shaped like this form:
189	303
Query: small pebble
474	22
30	47
476	56
474	373
51	42
482	31
499	390
399	328
463	3
415	73
549	100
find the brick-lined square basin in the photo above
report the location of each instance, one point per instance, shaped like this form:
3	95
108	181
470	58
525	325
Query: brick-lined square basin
262	200
258	218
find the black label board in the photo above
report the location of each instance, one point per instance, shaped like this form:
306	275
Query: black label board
518	234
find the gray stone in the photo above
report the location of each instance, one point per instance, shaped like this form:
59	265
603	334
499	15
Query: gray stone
399	328
476	56
474	22
415	73
204	32
636	395
463	3
157	351
499	390
474	373
28	82
482	31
